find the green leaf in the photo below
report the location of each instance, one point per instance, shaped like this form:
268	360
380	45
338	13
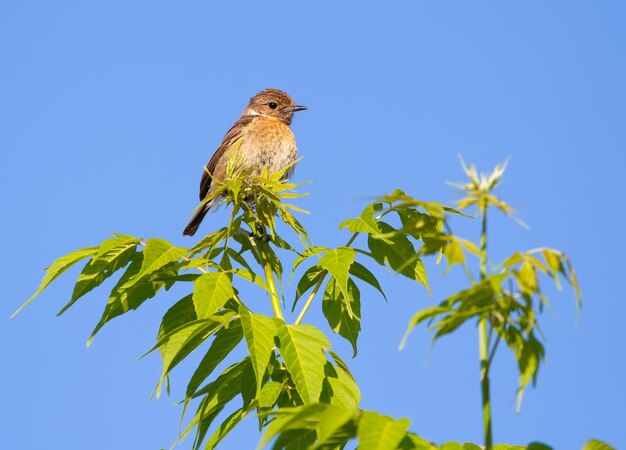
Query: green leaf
157	254
361	272
226	427
337	262
365	223
378	432
529	353
418	224
527	278
421	316
210	241
295	440
211	291
179	314
470	446
529	357
216	396
330	421
534	446
129	294
337	309
294	427
297	419
302	347
479	295
259	332
251	277
226	339
597	445
343	390
307	253
269	394
470	247
57	268
175	346
112	255
309	279
399	254
451	446
411	441
559	263
454	253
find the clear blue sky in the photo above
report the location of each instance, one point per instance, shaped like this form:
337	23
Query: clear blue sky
108	110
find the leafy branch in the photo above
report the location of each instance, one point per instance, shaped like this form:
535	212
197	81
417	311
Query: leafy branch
506	302
301	391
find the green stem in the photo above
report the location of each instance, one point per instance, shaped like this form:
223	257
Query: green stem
309	300
484	382
483	240
269	276
483	337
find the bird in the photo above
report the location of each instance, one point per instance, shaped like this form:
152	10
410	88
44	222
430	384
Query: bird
263	139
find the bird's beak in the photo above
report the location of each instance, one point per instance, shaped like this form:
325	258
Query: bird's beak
297	108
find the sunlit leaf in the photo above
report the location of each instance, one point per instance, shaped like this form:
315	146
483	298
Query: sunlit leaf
361	272
269	394
157	254
411	441
336	311
417	224
309	279
297	419
128	294
302	347
342	389
216	396
307	253
113	254
226	427
400	254
209	241
337	262
594	444
378	432
179	314
175	346
57	268
211	291
365	223
259	332
419	317
454	253
330	421
226	339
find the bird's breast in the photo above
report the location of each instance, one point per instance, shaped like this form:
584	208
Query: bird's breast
268	143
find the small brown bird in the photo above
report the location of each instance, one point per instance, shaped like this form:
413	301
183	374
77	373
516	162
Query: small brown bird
266	141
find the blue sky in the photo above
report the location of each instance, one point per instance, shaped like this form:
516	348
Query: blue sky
108	111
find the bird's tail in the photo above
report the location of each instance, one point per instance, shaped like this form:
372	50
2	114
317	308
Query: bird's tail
196	220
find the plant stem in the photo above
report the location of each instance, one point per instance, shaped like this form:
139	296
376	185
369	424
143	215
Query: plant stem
269	275
483	240
263	255
309	300
483	337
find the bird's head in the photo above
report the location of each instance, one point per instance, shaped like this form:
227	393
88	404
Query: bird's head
273	103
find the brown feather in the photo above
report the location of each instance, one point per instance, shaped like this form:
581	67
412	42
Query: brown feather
231	137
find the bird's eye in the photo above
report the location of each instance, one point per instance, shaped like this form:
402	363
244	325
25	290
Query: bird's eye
272	105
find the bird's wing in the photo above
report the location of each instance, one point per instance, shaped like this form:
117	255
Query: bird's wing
231	137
